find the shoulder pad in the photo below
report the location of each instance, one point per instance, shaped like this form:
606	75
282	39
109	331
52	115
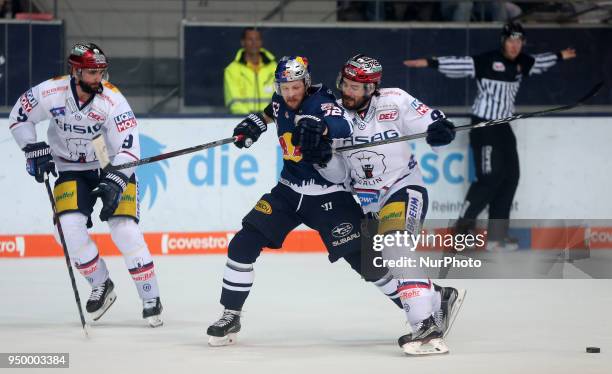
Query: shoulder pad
54	85
60	77
111	87
393	92
315	88
325	93
112	94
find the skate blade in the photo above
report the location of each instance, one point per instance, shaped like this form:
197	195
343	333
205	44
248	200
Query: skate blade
154	321
220	341
461	293
432	347
110	300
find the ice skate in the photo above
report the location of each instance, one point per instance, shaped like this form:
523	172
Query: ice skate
426	340
100	299
224	331
151	312
451	302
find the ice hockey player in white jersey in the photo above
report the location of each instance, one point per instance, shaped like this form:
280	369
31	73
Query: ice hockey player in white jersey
389	185
80	106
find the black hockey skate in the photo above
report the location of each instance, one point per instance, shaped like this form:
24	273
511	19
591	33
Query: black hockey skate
100	299
223	332
451	302
426	340
151	311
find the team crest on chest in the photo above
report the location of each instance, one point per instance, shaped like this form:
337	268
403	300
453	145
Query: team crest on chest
369	163
499	66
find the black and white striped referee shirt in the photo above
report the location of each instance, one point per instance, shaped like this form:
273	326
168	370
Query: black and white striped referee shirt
498	78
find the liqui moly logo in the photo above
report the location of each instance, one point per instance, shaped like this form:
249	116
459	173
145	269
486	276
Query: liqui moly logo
125	121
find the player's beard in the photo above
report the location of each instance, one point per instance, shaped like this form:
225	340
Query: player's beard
90	88
294	104
353	104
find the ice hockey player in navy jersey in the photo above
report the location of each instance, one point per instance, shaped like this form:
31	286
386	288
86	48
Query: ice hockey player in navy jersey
302	195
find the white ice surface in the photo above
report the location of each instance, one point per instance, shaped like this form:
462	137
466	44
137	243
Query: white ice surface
303	316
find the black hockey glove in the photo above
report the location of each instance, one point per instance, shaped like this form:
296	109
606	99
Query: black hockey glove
319	155
441	132
308	132
109	190
39	160
250	128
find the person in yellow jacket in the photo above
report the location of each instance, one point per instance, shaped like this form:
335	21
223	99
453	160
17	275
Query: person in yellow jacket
248	81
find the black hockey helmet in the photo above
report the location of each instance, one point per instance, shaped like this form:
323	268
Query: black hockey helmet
512	30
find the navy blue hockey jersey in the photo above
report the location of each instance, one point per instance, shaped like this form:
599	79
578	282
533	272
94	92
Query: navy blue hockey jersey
302	177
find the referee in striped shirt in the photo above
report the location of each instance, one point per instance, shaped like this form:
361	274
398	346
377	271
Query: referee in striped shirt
498	76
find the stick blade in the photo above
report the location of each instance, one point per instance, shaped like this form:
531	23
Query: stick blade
99	146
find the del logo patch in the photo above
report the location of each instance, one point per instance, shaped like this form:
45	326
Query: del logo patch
387	115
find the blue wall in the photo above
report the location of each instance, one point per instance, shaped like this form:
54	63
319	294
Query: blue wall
208	49
31	53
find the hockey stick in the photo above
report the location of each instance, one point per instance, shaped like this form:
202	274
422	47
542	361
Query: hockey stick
492	122
102	152
66	256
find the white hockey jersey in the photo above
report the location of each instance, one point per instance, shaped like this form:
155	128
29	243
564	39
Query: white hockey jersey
377	172
73	125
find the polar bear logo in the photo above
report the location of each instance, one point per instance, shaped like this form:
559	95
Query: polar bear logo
369	162
78	149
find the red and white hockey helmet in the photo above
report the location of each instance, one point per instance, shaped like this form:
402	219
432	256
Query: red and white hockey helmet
87	56
363	69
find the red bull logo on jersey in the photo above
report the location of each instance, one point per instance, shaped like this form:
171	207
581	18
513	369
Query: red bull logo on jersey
290	152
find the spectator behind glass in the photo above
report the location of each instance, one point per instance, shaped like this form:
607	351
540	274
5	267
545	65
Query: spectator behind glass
248	81
464	11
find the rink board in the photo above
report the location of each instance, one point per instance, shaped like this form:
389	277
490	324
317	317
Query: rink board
206	243
194	203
